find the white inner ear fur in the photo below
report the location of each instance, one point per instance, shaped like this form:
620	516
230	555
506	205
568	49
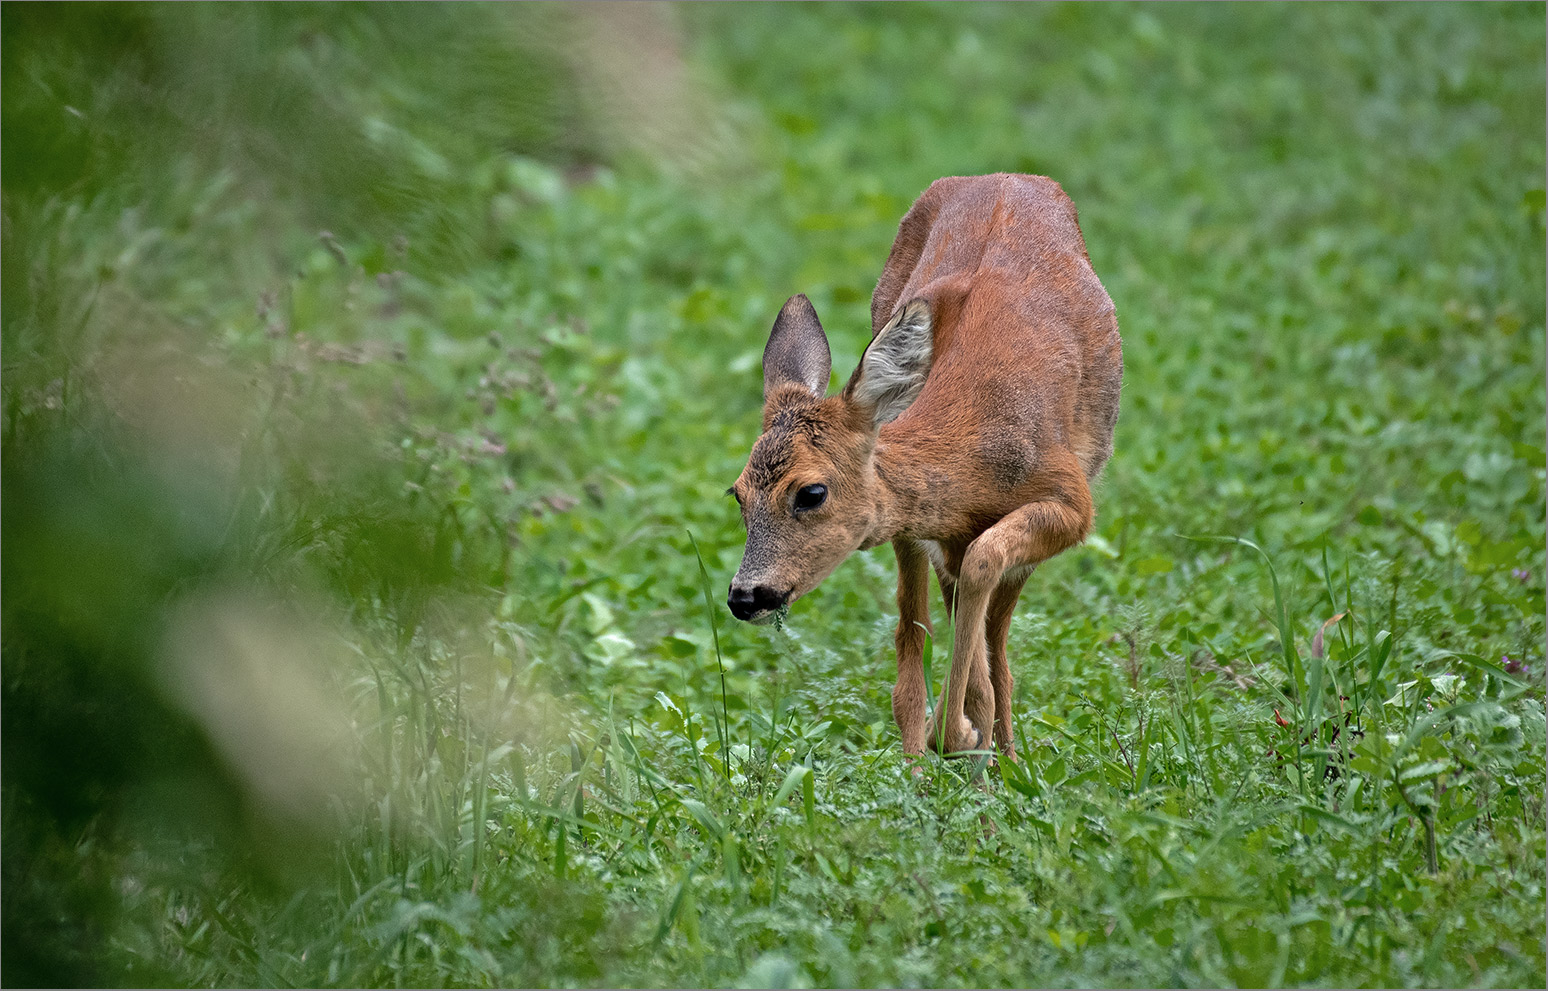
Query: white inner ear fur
894	366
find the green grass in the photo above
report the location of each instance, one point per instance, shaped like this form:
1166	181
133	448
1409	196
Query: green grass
370	393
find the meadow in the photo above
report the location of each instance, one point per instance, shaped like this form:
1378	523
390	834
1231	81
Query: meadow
373	376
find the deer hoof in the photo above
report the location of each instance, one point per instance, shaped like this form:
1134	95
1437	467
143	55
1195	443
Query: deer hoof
949	744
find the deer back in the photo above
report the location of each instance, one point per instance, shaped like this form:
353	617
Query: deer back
1028	362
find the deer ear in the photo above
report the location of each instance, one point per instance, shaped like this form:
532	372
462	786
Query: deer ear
894	366
797	352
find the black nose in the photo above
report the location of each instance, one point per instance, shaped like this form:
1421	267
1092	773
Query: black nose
746	603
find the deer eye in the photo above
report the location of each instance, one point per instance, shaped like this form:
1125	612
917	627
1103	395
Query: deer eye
810	497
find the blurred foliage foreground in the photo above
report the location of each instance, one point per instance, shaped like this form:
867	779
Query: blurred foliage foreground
367	369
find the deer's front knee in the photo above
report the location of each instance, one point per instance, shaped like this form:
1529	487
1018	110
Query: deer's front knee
983	567
909	640
981	571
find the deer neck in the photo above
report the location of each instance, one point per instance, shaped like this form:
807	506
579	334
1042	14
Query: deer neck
906	496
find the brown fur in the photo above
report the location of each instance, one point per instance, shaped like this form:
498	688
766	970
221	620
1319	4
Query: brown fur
985	474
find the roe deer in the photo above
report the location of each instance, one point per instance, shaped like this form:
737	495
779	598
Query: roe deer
967	437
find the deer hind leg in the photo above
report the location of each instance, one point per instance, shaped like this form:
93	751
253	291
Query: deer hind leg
1002	606
910	692
944	561
948	593
1027	536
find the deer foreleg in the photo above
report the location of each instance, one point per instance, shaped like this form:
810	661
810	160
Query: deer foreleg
909	694
1027	536
1002	606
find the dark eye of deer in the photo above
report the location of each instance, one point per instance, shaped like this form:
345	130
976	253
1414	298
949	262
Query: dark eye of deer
810	497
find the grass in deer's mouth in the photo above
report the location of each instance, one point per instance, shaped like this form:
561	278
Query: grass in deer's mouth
352	349
772	616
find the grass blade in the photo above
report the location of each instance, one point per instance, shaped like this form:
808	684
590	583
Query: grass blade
724	729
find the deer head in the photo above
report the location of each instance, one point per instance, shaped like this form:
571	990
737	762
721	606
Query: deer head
810	495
